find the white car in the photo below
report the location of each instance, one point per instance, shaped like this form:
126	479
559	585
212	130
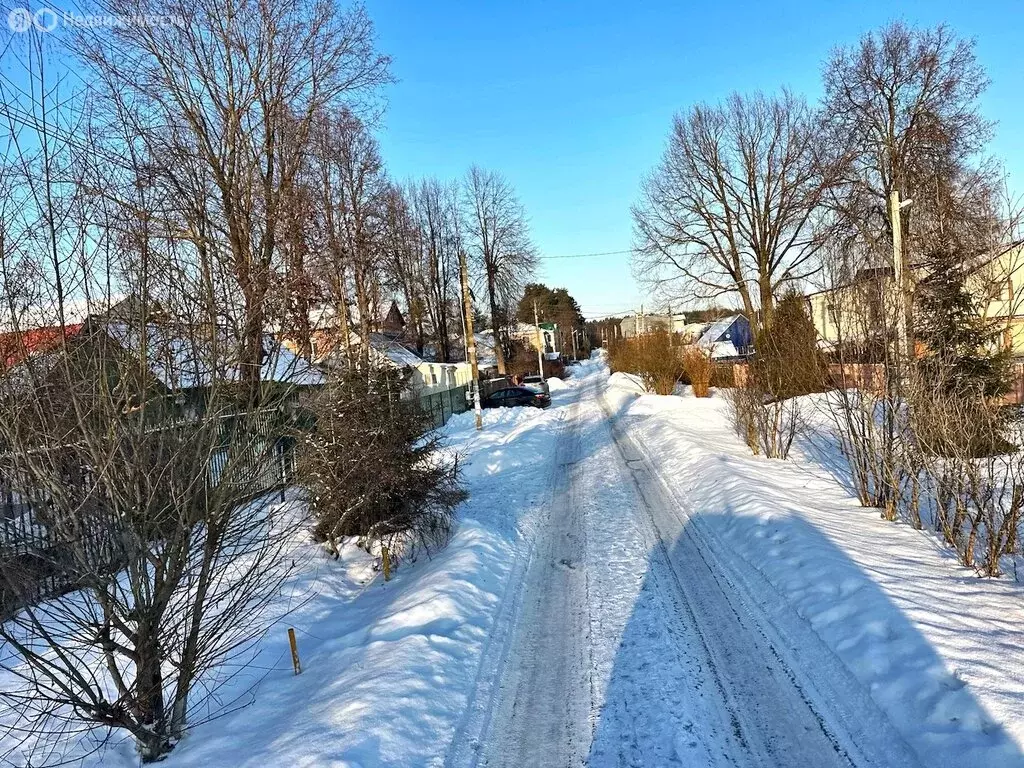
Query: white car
536	383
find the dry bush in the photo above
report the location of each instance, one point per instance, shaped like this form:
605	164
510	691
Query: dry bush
976	473
723	375
699	369
877	444
765	408
767	424
652	357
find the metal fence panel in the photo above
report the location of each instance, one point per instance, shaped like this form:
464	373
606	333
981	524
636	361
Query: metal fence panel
35	559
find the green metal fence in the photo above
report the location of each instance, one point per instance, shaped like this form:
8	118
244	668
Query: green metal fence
442	405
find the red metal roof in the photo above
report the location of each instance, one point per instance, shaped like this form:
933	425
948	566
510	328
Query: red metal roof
16	346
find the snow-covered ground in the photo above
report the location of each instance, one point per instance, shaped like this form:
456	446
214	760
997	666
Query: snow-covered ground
629	586
387	667
939	650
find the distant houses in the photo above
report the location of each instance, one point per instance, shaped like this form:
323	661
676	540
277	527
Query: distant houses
727	338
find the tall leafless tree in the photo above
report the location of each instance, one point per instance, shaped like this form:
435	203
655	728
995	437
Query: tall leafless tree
902	114
436	207
223	106
353	189
497	238
733	208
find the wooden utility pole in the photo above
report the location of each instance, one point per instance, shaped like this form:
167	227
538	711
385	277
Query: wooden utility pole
467	309
540	342
671	327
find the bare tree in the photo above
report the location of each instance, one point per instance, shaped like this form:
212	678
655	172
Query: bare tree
146	560
436	207
354	190
497	237
223	106
403	250
902	115
734	206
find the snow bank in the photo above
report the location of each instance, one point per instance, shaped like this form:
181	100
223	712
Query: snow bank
940	650
557	385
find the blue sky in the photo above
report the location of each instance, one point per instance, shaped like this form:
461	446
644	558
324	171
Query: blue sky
573	102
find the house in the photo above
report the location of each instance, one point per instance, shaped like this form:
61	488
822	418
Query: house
862	310
728	338
18	346
182	364
547	333
641	323
393	324
325	329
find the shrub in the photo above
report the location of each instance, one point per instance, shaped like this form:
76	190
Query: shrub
652	357
371	468
764	408
976	472
723	375
766	424
699	369
788	362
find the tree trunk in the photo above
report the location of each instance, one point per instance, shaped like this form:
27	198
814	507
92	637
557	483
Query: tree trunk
499	353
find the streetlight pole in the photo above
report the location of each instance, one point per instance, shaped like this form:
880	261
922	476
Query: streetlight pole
540	342
901	276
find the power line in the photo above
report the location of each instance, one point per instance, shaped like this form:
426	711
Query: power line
588	255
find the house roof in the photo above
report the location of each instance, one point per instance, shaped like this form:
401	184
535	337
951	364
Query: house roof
181	361
715	330
18	346
389	348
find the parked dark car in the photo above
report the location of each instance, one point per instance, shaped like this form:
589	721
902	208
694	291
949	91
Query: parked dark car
513	396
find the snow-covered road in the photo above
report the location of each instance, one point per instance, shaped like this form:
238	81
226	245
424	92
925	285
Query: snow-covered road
630	646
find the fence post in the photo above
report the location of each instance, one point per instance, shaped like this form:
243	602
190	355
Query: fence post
295	651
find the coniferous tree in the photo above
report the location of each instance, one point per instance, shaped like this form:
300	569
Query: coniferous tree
961	346
371	467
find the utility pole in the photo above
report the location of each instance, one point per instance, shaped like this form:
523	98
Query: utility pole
540	342
901	276
671	326
467	308
575	355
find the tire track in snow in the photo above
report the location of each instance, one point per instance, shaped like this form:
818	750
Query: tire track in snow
505	720
824	692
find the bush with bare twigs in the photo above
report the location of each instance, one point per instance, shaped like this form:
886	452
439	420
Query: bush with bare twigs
975	472
765	408
653	357
699	369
